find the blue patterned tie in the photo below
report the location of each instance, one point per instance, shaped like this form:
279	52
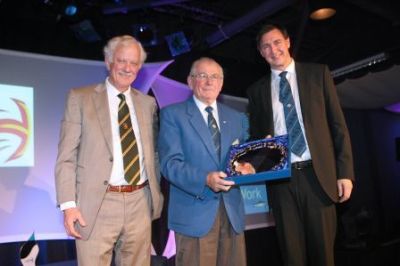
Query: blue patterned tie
213	127
296	137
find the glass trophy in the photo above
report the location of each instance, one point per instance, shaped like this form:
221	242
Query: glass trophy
259	160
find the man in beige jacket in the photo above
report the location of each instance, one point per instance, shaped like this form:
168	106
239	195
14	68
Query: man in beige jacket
103	211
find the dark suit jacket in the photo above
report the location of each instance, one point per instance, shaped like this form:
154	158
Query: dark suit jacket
324	123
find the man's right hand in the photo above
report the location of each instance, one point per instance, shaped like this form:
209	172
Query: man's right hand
216	181
72	216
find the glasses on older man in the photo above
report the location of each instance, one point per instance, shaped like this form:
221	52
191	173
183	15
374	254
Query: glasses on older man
205	76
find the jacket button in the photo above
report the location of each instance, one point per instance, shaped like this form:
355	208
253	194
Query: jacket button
111	159
105	183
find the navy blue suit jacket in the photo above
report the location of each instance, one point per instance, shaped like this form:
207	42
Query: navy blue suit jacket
187	155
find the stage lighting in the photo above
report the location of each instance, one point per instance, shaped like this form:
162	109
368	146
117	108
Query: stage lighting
365	63
145	33
321	9
71	9
395	108
177	43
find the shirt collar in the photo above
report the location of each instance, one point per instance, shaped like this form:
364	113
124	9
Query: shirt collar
113	90
290	69
202	106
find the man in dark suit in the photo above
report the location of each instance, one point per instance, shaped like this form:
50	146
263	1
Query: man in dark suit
322	172
206	211
107	207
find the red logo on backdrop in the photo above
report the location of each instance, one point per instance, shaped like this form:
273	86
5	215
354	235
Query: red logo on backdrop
19	128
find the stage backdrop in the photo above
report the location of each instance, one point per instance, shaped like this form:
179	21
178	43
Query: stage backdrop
33	89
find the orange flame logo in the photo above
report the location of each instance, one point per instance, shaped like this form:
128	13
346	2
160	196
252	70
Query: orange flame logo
18	128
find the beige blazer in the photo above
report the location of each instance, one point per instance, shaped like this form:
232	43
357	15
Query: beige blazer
85	157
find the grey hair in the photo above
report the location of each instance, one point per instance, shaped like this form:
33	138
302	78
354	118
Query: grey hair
193	68
124	40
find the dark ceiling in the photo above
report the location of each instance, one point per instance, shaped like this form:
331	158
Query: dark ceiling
224	30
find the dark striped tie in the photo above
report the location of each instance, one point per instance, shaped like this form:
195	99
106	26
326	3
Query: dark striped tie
213	127
296	137
129	147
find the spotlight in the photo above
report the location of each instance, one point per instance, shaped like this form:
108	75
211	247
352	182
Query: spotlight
321	9
71	9
365	63
146	34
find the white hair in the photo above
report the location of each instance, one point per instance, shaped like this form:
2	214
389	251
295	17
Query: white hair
124	40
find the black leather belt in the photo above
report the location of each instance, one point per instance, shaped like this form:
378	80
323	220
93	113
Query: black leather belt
302	165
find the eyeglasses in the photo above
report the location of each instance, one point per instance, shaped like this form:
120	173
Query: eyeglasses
204	76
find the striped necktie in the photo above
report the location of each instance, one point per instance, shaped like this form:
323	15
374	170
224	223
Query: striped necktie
129	147
296	137
213	127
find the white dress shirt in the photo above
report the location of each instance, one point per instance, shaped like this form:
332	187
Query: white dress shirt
117	173
202	107
277	107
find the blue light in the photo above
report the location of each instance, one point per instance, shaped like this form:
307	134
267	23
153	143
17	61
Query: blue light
70	10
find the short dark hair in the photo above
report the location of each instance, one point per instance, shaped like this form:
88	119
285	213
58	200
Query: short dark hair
269	27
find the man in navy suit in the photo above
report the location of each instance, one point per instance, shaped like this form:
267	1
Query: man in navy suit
205	210
304	205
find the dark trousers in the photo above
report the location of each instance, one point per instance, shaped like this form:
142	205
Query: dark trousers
305	220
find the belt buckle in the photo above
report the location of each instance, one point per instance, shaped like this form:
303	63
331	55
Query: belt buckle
302	165
297	166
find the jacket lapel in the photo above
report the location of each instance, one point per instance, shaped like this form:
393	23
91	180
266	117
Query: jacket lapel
200	127
138	108
304	92
265	91
225	129
103	114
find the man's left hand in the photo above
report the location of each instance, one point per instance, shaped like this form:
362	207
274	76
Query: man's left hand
345	186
